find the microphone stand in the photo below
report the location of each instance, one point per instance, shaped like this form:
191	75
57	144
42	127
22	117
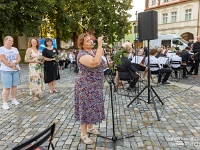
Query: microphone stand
114	138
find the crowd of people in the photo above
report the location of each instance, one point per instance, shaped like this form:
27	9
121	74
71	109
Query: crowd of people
90	65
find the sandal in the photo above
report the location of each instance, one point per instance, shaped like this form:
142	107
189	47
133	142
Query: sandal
86	140
56	91
93	131
51	92
35	98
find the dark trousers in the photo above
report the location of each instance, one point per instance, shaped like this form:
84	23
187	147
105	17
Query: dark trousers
61	62
67	62
196	67
181	67
133	82
165	71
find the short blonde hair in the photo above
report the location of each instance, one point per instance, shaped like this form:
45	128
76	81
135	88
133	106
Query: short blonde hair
29	42
160	50
7	37
80	40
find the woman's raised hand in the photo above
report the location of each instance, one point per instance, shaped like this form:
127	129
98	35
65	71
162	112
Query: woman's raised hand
100	41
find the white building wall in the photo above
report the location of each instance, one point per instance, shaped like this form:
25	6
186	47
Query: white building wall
181	26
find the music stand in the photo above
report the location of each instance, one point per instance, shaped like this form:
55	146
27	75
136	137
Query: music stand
150	91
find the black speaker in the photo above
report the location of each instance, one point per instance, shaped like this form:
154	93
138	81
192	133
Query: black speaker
148	25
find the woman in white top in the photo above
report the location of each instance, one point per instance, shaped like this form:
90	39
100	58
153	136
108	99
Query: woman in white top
10	59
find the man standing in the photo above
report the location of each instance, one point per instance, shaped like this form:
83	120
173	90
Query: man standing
196	50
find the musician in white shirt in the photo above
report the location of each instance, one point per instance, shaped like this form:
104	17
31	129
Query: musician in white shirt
154	60
178	65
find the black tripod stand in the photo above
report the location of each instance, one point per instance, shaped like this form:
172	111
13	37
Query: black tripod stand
114	137
150	91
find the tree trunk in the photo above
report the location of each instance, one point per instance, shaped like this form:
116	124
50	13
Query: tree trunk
58	42
75	37
1	38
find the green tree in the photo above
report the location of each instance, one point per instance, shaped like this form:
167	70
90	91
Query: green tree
23	17
6	11
68	18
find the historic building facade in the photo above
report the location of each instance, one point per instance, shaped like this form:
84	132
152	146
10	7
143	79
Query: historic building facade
180	17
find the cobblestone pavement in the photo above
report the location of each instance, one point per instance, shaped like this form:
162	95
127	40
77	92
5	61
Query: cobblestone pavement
178	128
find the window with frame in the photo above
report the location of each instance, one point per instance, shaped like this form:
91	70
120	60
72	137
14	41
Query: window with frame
153	2
174	17
188	14
165	18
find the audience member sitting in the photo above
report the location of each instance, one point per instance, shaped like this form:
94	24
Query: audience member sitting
163	71
72	58
125	70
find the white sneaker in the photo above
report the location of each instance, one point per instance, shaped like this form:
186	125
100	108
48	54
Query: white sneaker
5	105
14	101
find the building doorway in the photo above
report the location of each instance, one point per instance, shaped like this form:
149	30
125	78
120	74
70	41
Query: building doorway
187	36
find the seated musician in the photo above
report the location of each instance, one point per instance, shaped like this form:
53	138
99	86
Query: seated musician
138	63
187	60
125	70
163	71
178	66
159	55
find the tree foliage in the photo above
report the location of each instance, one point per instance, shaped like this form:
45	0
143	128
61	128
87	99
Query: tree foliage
22	17
102	17
65	19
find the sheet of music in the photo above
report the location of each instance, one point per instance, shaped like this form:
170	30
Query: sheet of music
163	60
137	59
170	55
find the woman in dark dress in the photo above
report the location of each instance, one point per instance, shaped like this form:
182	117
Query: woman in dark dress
51	71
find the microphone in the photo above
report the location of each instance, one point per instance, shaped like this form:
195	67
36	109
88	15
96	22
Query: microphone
96	40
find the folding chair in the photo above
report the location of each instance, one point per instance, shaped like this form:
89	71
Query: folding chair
178	70
36	141
125	82
157	73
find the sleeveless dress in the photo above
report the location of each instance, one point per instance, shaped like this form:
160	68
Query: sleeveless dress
89	102
36	74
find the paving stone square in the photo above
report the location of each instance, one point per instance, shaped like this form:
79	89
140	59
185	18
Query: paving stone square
137	126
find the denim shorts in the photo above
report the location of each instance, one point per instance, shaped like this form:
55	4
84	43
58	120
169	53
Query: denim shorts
9	78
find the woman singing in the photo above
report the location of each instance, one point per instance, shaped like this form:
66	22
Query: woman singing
89	103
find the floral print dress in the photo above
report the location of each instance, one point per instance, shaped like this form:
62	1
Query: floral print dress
36	74
89	102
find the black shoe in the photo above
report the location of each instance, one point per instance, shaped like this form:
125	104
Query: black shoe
165	82
189	73
185	77
129	89
176	76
